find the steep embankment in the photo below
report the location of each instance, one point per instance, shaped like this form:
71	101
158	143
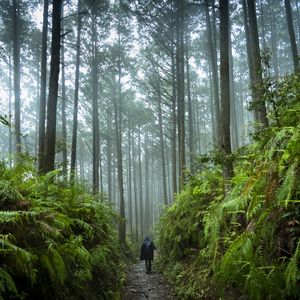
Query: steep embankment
247	242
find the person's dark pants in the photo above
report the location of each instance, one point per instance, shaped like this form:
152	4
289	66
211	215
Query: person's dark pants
148	266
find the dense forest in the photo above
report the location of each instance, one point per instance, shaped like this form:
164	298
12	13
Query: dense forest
178	119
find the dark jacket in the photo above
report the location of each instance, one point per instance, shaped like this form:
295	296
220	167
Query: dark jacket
147	250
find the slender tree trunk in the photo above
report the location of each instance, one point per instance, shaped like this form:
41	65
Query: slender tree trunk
42	113
233	106
146	178
298	20
180	89
247	35
130	179
273	39
225	85
140	183
76	96
190	110
109	151
96	134
63	100
118	120
53	88
10	110
174	128
81	160
135	191
214	71
17	71
38	84
162	148
289	19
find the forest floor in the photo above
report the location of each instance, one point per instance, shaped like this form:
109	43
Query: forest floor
140	285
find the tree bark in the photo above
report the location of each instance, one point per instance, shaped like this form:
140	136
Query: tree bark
96	134
42	112
108	152
274	40
53	88
130	178
118	124
225	85
214	71
190	109
174	128
76	96
161	139
259	106
17	71
289	19
63	100
140	182
135	191
180	89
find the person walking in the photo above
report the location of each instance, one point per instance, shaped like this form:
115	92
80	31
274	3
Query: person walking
147	253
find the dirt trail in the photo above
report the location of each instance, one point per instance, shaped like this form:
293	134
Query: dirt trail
143	286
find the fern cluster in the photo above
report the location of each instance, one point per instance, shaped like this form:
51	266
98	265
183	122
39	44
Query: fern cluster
247	242
55	240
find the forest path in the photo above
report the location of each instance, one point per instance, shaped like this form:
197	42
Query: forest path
140	285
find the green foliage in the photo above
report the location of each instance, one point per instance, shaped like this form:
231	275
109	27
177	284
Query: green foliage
55	240
247	241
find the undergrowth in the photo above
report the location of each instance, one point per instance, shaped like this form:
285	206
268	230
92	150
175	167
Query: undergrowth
245	241
56	241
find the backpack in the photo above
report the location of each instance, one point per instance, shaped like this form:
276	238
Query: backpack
147	247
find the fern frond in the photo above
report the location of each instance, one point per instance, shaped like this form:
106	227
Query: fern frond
240	249
87	228
24	259
58	263
7	282
291	274
17	217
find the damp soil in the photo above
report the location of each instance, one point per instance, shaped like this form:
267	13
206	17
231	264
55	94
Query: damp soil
140	285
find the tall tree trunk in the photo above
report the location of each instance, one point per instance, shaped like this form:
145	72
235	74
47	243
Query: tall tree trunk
130	178
76	95
247	35
108	153
81	160
17	71
257	86
135	190
273	39
63	100
214	71
10	110
190	109
96	134
140	182
53	88
289	19
233	106
42	113
161	139
225	86
298	20
147	199
118	124
174	128
180	89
